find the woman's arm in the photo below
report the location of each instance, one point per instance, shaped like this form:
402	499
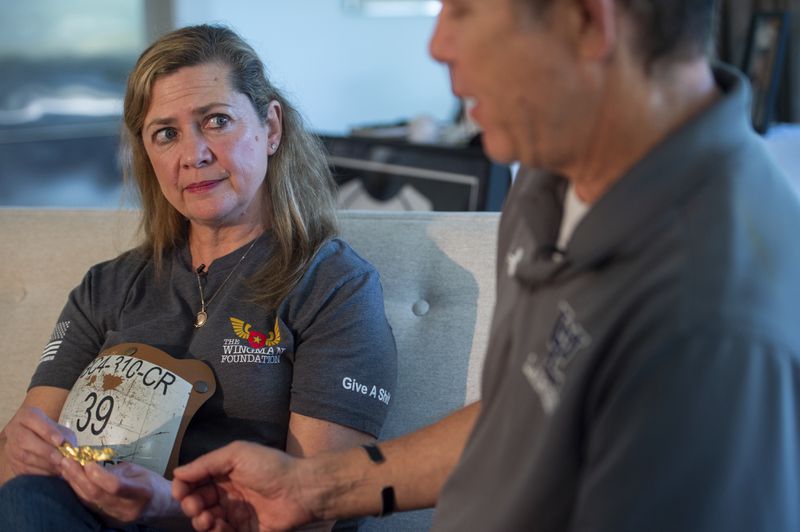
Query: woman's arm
308	436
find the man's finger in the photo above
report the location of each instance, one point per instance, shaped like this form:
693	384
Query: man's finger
181	489
213	464
206	522
199	499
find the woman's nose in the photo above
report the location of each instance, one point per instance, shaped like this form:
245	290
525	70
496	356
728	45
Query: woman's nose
196	152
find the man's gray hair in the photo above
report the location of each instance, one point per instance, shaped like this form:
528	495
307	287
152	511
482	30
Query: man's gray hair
666	29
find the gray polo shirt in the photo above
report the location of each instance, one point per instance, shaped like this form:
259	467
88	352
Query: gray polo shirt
649	377
332	327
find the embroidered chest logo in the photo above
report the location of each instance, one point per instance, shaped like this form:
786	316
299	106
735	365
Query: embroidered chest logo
547	373
255	338
260	348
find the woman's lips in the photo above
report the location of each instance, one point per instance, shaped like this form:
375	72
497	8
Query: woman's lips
204	186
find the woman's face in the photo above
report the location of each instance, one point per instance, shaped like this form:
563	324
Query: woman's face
208	147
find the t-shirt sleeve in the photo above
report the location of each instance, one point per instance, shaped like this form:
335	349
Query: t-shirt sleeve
700	435
345	362
74	342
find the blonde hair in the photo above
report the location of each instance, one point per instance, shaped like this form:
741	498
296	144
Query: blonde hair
299	192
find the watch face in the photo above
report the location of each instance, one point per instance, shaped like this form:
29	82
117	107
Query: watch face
137	400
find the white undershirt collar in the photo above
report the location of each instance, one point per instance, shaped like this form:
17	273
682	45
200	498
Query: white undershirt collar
574	211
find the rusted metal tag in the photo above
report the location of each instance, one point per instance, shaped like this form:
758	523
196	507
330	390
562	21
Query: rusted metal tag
138	400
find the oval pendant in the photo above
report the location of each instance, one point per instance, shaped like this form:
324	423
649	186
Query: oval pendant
201	319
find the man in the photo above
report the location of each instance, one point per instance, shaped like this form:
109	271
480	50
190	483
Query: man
644	366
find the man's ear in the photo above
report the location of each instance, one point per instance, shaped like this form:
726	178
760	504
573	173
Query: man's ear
598	28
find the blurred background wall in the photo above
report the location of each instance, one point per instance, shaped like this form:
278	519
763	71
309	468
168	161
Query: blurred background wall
65	65
342	69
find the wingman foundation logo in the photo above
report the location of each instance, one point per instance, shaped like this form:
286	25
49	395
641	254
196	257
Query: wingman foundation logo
259	348
546	373
50	350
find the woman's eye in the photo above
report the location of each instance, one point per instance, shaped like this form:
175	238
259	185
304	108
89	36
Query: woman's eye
218	121
162	136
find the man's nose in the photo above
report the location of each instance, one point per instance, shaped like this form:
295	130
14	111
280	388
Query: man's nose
439	43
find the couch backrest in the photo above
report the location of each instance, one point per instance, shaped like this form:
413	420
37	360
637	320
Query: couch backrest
45	253
437	271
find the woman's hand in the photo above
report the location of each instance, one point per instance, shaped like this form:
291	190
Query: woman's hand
123	493
31	443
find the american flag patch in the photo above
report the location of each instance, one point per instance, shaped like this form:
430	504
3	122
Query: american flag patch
56	338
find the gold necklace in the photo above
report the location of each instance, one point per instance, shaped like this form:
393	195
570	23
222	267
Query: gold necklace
202	316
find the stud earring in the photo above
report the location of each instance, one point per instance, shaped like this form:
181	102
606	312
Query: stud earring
273	146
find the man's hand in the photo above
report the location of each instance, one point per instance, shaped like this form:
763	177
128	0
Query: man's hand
244	486
124	493
31	443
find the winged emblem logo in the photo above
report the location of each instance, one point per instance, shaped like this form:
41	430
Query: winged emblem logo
255	338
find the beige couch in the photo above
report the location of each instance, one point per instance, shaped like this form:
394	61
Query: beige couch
437	271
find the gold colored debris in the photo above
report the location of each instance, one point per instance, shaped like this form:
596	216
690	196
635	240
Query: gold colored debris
86	453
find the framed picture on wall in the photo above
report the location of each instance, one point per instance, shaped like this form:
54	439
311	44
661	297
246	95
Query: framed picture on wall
763	62
390	174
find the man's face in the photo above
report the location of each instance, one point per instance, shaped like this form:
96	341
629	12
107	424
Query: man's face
516	66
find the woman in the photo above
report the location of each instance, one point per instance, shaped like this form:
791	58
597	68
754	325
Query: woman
238	221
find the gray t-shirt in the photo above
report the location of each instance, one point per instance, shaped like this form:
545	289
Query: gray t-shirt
647	380
332	326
